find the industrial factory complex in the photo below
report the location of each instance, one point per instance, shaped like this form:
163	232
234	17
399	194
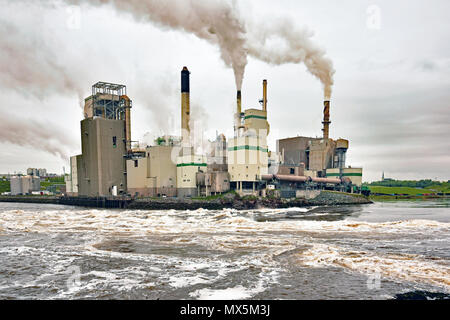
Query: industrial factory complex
109	165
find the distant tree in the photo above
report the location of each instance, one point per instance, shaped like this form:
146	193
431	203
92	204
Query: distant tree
407	183
160	141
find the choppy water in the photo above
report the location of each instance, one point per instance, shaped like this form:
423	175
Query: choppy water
356	252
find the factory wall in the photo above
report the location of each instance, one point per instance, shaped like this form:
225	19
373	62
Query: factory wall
154	175
296	170
102	164
217	154
321	154
212	182
162	171
293	150
255	119
137	178
187	168
220	181
354	174
247	158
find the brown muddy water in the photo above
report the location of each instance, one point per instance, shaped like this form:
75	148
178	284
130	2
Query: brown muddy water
370	251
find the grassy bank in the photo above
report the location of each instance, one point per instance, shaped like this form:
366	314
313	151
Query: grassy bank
398	190
407	190
52	181
5	186
405	198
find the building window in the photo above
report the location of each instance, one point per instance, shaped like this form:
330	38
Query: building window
114	141
292	171
136	163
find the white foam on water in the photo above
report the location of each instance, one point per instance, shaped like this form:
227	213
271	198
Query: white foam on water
406	267
185	281
267	276
235	293
198	221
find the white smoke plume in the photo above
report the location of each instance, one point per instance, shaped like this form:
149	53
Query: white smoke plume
28	66
219	22
293	45
215	21
35	134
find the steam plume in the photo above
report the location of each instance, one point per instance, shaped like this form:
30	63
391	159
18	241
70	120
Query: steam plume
28	132
219	23
215	21
296	47
28	65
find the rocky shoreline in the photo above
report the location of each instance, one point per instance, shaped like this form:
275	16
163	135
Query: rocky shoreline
325	198
230	200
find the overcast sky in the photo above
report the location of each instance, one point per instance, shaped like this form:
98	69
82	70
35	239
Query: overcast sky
391	94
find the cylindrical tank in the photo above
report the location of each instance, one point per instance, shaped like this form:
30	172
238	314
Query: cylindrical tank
341	150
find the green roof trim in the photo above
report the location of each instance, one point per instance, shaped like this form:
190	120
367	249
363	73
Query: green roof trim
256	117
191	164
247	147
351	174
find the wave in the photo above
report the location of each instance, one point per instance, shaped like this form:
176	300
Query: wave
407	267
159	222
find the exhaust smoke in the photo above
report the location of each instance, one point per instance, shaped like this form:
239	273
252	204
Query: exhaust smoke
220	23
35	134
297	47
212	20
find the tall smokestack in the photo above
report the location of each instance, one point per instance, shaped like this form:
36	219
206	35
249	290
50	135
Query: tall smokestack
185	105
265	95
326	119
238	111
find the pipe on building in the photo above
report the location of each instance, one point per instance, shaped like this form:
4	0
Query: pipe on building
185	105
326	180
292	178
127	105
326	119
265	95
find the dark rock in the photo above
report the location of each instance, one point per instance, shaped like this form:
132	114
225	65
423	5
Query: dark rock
422	295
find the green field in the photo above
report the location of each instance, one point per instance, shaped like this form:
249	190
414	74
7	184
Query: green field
406	190
4	186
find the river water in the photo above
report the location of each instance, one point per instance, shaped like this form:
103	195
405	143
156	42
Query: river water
349	252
